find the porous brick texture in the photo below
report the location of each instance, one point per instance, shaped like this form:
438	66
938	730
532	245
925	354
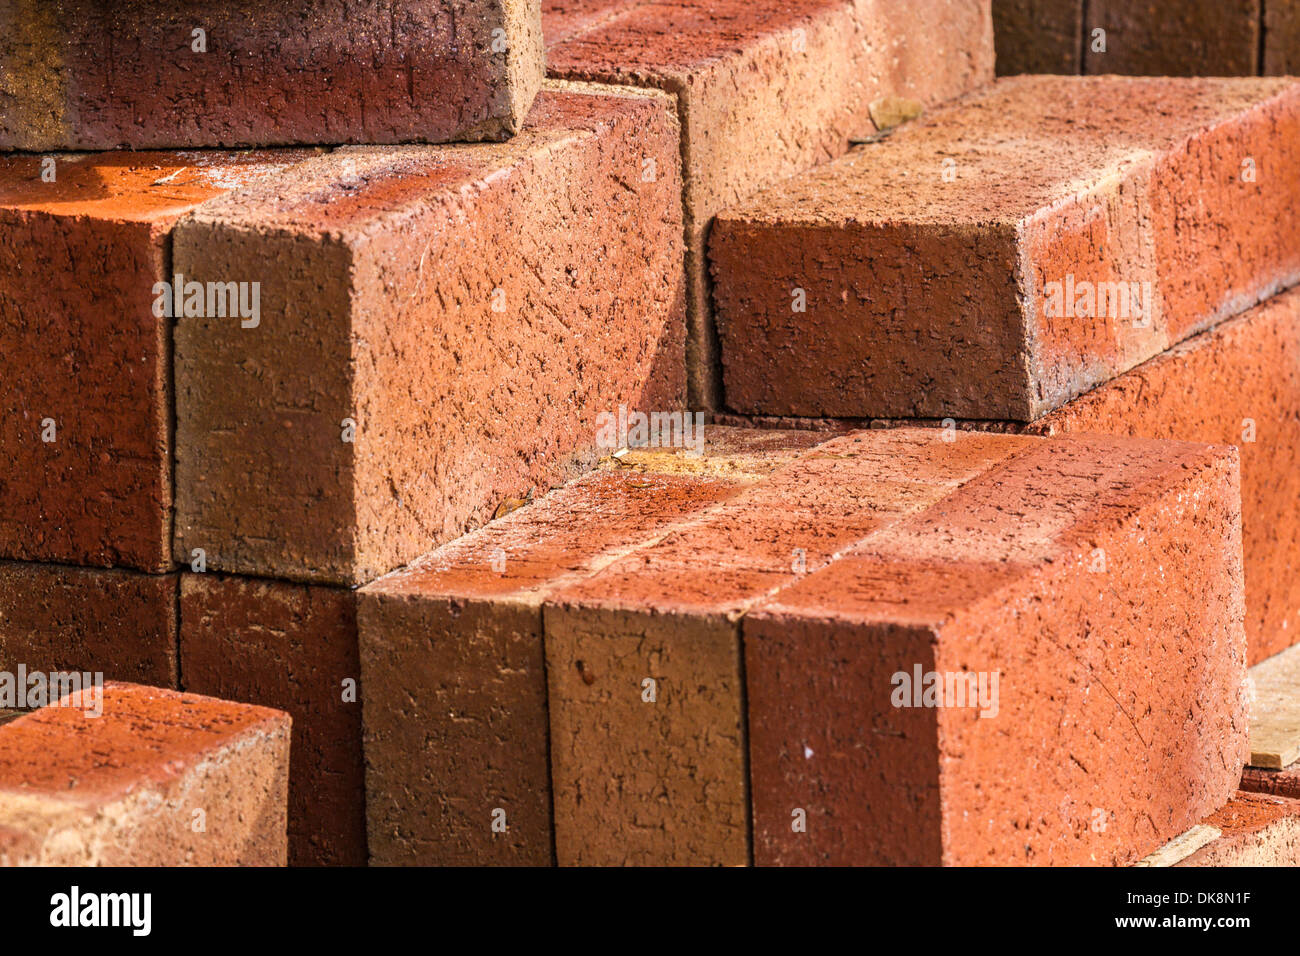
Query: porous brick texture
455	677
1174	37
81	74
121	624
1281	39
1038	36
1255	830
1237	384
158	778
1000	256
841	562
765	89
292	647
441	328
85	398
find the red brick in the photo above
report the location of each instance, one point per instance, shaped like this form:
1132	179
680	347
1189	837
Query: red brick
292	647
1174	37
126	787
59	618
928	298
765	89
87	75
1038	36
1238	384
381	271
1120	716
78	261
1255	830
1281	39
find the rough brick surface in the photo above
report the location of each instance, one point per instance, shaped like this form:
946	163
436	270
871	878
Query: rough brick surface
1281	783
1255	830
929	287
766	89
1174	37
1238	384
1038	36
118	623
456	710
292	647
82	348
467	312
1053	566
1281	39
158	779
80	74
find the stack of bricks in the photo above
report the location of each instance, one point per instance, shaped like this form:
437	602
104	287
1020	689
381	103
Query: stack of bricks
355	362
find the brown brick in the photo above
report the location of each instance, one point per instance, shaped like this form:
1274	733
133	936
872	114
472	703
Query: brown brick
932	297
1281	38
1174	37
470	309
81	74
158	778
1038	36
1254	830
292	647
765	89
1238	384
118	623
79	258
1098	578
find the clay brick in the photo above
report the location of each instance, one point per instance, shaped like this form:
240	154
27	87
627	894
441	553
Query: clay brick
933	263
1281	38
469	311
1174	37
1238	384
123	788
79	258
1255	830
457	727
80	74
292	647
1119	716
1281	783
118	623
765	89
1038	36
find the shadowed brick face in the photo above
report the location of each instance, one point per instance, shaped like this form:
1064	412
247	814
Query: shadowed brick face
441	328
1176	37
85	398
1005	254
83	74
1038	36
59	618
292	647
1237	384
158	779
765	89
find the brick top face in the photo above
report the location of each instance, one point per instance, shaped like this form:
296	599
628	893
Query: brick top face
133	187
1019	146
144	735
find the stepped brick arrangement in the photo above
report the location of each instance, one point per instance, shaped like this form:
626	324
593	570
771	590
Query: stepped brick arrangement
80	74
140	776
366	406
1153	38
439	329
1064	229
636	589
765	89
